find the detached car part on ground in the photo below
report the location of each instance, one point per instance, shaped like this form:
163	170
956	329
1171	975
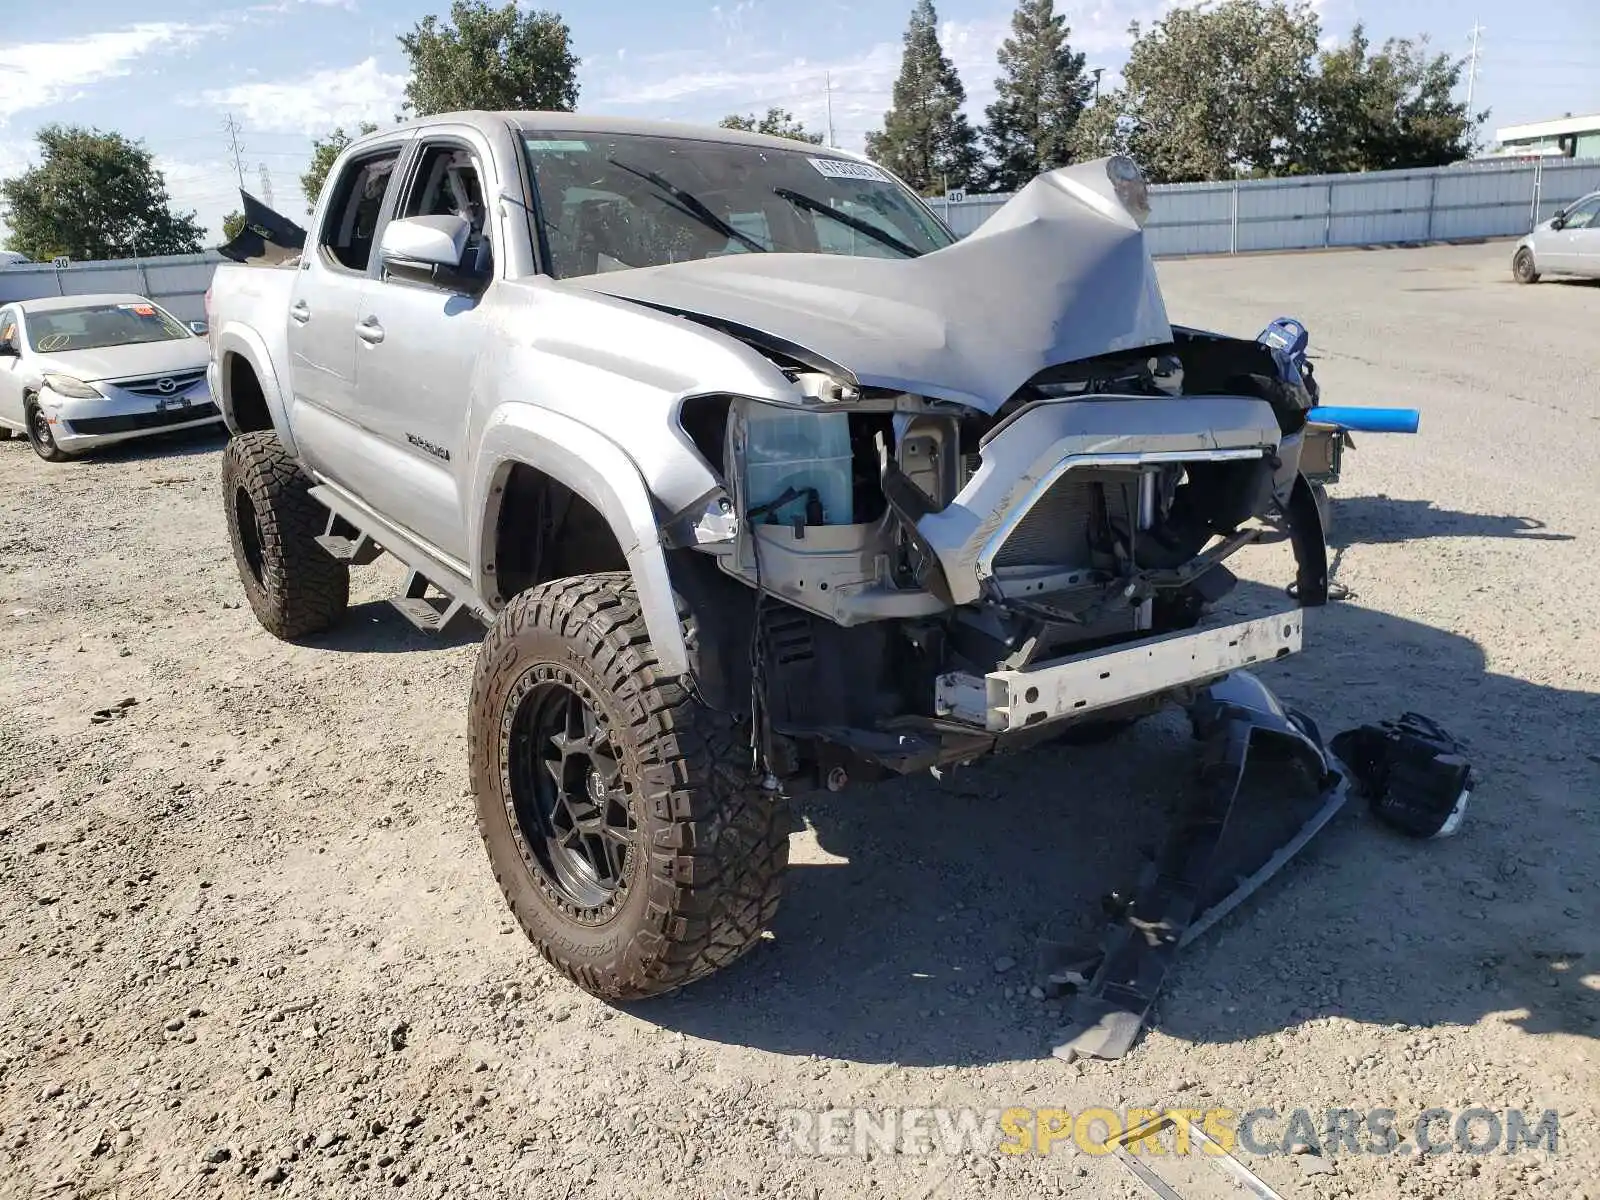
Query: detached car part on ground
837	497
81	372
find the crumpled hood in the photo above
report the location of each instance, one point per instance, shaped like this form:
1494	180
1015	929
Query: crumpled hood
129	362
1060	273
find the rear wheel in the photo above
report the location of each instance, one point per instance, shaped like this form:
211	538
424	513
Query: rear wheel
620	819
294	586
1523	267
41	436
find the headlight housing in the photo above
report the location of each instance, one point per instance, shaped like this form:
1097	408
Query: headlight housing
73	389
1131	186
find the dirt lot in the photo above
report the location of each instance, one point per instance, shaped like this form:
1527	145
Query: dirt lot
251	943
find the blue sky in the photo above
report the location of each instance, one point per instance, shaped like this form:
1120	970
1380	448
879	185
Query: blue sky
172	71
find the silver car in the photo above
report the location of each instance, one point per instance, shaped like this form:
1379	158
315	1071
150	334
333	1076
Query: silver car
1567	244
77	372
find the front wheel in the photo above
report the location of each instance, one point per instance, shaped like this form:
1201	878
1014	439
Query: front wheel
1523	267
294	586
619	815
41	437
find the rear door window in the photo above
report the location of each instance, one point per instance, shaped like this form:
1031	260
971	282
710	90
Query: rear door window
351	225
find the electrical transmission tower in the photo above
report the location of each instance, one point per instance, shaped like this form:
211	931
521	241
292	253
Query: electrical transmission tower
232	128
1472	63
266	184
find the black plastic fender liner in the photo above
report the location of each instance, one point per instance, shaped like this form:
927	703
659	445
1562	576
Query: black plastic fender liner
1310	542
1178	898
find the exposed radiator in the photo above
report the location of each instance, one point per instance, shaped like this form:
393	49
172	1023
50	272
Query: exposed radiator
1056	530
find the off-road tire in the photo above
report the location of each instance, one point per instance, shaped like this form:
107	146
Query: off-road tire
295	587
1523	267
39	435
710	848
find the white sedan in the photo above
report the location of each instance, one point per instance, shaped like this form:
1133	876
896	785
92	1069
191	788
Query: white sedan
78	372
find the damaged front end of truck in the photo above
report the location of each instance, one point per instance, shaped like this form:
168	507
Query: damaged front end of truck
1000	501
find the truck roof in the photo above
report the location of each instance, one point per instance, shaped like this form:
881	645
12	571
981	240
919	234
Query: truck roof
566	122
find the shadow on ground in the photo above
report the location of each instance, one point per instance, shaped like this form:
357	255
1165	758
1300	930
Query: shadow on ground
1380	520
376	628
186	443
887	952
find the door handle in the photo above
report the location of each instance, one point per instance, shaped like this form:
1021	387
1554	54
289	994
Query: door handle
300	312
370	331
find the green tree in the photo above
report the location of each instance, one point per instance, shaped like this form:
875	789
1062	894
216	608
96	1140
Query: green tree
779	122
490	58
1383	111
1100	130
926	139
231	225
1215	91
1040	94
324	152
93	196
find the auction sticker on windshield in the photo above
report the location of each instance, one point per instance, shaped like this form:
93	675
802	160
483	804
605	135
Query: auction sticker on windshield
838	168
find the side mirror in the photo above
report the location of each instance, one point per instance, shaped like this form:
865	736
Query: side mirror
425	242
430	250
199	328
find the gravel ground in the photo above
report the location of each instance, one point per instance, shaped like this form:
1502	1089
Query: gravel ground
251	942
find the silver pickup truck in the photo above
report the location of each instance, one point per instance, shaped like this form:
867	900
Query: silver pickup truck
759	478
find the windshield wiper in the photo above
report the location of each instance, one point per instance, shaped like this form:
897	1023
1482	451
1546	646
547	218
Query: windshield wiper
691	206
812	204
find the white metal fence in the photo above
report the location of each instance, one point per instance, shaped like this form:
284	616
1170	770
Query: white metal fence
1472	200
178	282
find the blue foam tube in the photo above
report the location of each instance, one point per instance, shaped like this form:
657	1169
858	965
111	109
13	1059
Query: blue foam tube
1368	420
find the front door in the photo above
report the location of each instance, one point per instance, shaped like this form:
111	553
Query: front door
323	310
1569	243
417	343
1585	245
11	370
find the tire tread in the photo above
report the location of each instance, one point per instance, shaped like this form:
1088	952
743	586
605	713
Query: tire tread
304	589
718	850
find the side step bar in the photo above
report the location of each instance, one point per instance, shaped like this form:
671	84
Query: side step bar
349	545
430	614
348	540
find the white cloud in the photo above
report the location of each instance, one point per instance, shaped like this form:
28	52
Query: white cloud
41	74
280	7
313	104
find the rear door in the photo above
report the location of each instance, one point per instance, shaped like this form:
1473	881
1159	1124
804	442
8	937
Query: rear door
325	305
417	345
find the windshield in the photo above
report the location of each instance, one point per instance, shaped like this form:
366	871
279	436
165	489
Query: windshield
97	325
614	201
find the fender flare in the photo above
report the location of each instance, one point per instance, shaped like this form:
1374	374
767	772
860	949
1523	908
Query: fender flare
595	468
244	341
